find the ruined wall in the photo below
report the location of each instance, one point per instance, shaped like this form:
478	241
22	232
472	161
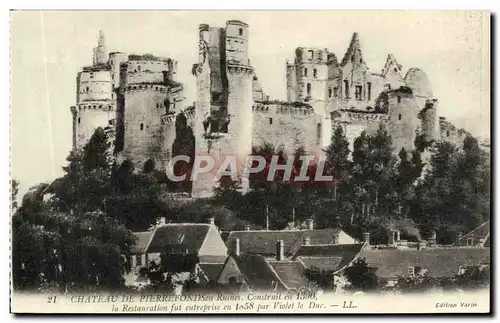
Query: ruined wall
115	61
285	125
312	72
449	132
355	122
291	82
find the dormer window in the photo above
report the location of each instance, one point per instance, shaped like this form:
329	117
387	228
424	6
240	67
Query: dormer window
240	31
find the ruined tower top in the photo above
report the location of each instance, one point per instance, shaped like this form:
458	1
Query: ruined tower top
100	55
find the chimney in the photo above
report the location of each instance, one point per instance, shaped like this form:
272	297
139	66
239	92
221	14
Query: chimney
366	238
280	250
433	238
391	241
247	227
211	221
398	235
162	220
310	224
306	241
236	246
336	238
459	236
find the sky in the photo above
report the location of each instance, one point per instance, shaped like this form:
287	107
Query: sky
49	48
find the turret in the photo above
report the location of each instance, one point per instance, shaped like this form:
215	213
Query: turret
100	55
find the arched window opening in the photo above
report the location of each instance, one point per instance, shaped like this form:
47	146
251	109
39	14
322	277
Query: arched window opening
149	166
308	89
399	116
305	71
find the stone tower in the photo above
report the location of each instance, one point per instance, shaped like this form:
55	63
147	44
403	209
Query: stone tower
95	106
224	100
403	118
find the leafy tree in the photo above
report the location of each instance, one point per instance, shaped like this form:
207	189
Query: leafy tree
13	194
361	277
324	279
337	156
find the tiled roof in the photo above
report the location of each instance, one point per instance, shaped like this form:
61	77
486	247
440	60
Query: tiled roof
323	263
310	255
291	273
264	242
257	272
141	242
212	271
479	236
439	262
179	238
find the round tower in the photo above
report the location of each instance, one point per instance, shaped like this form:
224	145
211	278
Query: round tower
403	118
429	120
237	42
95	106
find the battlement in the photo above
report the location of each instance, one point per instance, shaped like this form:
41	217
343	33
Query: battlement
149	57
234	68
311	55
159	87
284	108
96	68
89	106
168	118
358	116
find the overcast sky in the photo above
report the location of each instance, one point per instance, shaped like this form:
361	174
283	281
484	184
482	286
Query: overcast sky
49	48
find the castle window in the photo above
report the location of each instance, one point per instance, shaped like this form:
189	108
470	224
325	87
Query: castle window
447	133
315	73
305	71
336	92
399	99
270	120
399	116
369	86
329	92
87	89
395	69
346	88
310	54
139	68
110	122
358	92
142	126
308	89
387	86
240	31
79	120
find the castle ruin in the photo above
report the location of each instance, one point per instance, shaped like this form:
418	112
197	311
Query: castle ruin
139	101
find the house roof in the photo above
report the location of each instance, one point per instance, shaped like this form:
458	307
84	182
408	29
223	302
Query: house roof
179	238
264	242
439	262
141	242
479	236
335	256
291	273
211	271
323	263
257	272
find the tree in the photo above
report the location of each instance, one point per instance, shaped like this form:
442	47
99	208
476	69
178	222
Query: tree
323	278
337	156
13	194
361	277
